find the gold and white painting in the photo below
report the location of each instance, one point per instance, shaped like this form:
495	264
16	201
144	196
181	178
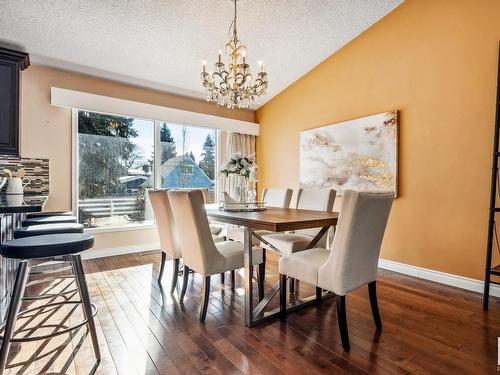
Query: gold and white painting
360	155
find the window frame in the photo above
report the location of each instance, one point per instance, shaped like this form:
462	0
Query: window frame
156	166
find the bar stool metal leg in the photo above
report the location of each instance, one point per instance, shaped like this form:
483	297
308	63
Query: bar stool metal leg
15	305
87	306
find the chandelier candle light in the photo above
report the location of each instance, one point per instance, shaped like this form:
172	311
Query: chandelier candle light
233	85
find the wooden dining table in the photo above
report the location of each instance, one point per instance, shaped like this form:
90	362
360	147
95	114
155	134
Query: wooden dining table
274	220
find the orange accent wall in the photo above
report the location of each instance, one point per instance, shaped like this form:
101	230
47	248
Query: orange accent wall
436	62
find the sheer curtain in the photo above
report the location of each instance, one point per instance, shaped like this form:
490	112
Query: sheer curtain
234	143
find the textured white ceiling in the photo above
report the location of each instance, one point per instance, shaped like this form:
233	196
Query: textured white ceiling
160	44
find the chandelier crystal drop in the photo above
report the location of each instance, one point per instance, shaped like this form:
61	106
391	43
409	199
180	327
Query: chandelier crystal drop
233	85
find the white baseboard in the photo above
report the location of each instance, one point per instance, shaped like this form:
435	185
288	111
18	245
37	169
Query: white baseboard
439	277
101	253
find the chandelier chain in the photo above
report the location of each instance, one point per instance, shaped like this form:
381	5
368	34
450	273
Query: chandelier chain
235	29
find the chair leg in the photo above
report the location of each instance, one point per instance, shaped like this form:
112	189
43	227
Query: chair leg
87	306
341	316
162	266
184	283
233	279
372	291
283	297
291	281
175	274
205	295
15	305
222	278
319	295
261	278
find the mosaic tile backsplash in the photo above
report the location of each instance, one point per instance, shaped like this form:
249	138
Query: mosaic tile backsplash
37	170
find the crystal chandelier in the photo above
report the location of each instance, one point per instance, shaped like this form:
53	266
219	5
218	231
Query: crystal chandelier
233	85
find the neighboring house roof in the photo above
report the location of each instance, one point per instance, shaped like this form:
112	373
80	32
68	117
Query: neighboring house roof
171	163
136	172
171	173
126	179
167	167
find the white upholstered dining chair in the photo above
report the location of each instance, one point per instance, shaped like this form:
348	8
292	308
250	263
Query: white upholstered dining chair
199	251
288	243
277	197
215	228
353	260
166	230
308	199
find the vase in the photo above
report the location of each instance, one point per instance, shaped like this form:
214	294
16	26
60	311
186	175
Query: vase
242	188
252	192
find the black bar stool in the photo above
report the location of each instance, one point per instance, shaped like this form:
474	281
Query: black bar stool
49	220
49	213
66	247
44	229
41	230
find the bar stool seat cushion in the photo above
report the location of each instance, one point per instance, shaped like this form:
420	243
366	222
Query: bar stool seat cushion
44	229
49	213
47	246
49	220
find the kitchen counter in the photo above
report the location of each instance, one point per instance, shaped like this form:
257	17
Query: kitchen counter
13	209
19	204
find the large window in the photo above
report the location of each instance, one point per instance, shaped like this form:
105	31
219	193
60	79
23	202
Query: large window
119	158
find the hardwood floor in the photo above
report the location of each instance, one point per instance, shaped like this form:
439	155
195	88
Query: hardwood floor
428	329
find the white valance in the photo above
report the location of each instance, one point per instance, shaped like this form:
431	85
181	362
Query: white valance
106	104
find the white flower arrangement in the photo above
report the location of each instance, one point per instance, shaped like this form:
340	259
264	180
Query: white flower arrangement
239	165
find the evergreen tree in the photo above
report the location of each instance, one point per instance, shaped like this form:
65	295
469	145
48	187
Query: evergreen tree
168	150
108	125
191	155
105	153
207	162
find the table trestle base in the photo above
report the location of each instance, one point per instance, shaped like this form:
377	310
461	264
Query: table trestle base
257	315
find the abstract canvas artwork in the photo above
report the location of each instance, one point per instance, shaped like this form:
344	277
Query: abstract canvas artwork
360	155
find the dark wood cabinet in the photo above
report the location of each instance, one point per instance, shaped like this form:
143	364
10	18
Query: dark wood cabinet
12	62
